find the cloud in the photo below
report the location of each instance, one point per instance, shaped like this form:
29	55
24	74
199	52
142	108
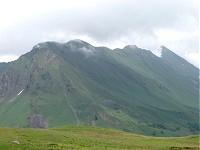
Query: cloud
114	23
86	49
8	58
193	57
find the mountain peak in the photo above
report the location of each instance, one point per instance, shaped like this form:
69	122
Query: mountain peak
130	47
167	54
178	63
165	50
78	42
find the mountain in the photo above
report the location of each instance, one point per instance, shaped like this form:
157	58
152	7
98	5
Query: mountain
75	83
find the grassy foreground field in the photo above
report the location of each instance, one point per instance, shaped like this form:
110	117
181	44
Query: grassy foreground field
89	138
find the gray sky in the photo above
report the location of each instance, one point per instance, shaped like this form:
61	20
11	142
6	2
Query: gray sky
148	24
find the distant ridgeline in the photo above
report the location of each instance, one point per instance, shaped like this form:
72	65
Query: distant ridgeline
75	83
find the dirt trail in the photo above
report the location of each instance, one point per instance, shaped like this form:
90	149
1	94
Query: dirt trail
74	112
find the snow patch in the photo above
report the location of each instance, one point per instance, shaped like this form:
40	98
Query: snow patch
20	92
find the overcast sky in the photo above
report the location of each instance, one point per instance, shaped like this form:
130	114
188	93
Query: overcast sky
148	24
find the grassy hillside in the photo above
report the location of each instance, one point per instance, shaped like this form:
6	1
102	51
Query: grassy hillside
84	138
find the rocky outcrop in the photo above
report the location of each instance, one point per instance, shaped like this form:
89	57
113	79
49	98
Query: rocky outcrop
7	83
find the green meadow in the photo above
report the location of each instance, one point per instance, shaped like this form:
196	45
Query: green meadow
91	138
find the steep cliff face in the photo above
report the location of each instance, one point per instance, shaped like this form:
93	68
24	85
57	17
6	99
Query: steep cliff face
75	83
5	84
26	71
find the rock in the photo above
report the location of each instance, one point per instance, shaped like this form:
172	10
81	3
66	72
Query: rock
15	142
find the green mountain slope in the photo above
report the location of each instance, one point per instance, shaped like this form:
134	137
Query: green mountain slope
89	138
3	66
76	83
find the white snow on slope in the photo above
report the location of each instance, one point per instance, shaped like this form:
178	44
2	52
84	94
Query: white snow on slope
20	92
